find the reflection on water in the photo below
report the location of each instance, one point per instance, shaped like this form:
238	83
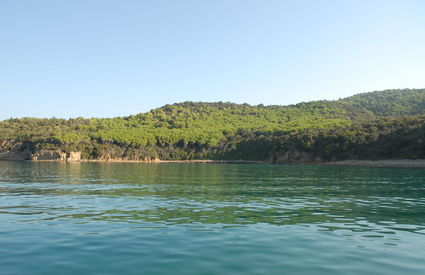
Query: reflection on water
376	209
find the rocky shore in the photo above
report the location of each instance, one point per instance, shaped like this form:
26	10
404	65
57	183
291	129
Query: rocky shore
57	155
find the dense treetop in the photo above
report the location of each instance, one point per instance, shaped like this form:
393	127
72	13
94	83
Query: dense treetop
197	127
391	102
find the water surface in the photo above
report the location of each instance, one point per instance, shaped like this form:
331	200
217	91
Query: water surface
134	218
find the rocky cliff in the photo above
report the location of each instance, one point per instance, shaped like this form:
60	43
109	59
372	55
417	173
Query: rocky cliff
11	150
56	155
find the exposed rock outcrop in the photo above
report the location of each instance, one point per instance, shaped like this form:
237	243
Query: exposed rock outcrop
49	155
107	157
73	156
56	155
10	150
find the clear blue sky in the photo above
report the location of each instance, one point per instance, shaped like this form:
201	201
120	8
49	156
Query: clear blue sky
99	58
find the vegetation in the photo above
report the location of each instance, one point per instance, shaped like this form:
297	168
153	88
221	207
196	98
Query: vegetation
384	124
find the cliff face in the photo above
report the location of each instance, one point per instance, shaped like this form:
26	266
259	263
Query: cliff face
55	155
108	157
49	155
11	150
73	156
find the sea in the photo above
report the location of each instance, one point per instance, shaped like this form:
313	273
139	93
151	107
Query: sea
210	218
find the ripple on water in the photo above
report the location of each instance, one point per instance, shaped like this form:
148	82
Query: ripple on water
209	218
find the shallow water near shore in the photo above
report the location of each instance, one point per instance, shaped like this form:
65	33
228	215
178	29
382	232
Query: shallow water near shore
192	218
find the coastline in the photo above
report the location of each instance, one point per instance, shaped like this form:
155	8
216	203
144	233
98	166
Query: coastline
395	163
177	161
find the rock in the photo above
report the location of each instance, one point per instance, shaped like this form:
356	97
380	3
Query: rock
49	155
11	150
73	156
56	155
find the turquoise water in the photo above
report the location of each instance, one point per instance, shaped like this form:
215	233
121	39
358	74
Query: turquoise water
124	218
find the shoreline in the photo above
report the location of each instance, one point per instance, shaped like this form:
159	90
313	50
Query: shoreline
395	163
179	161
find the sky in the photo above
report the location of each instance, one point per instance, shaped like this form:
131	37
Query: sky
101	58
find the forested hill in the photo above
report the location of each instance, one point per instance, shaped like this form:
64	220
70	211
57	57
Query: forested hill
390	102
376	125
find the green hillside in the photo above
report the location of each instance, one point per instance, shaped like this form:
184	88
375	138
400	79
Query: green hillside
369	125
390	102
